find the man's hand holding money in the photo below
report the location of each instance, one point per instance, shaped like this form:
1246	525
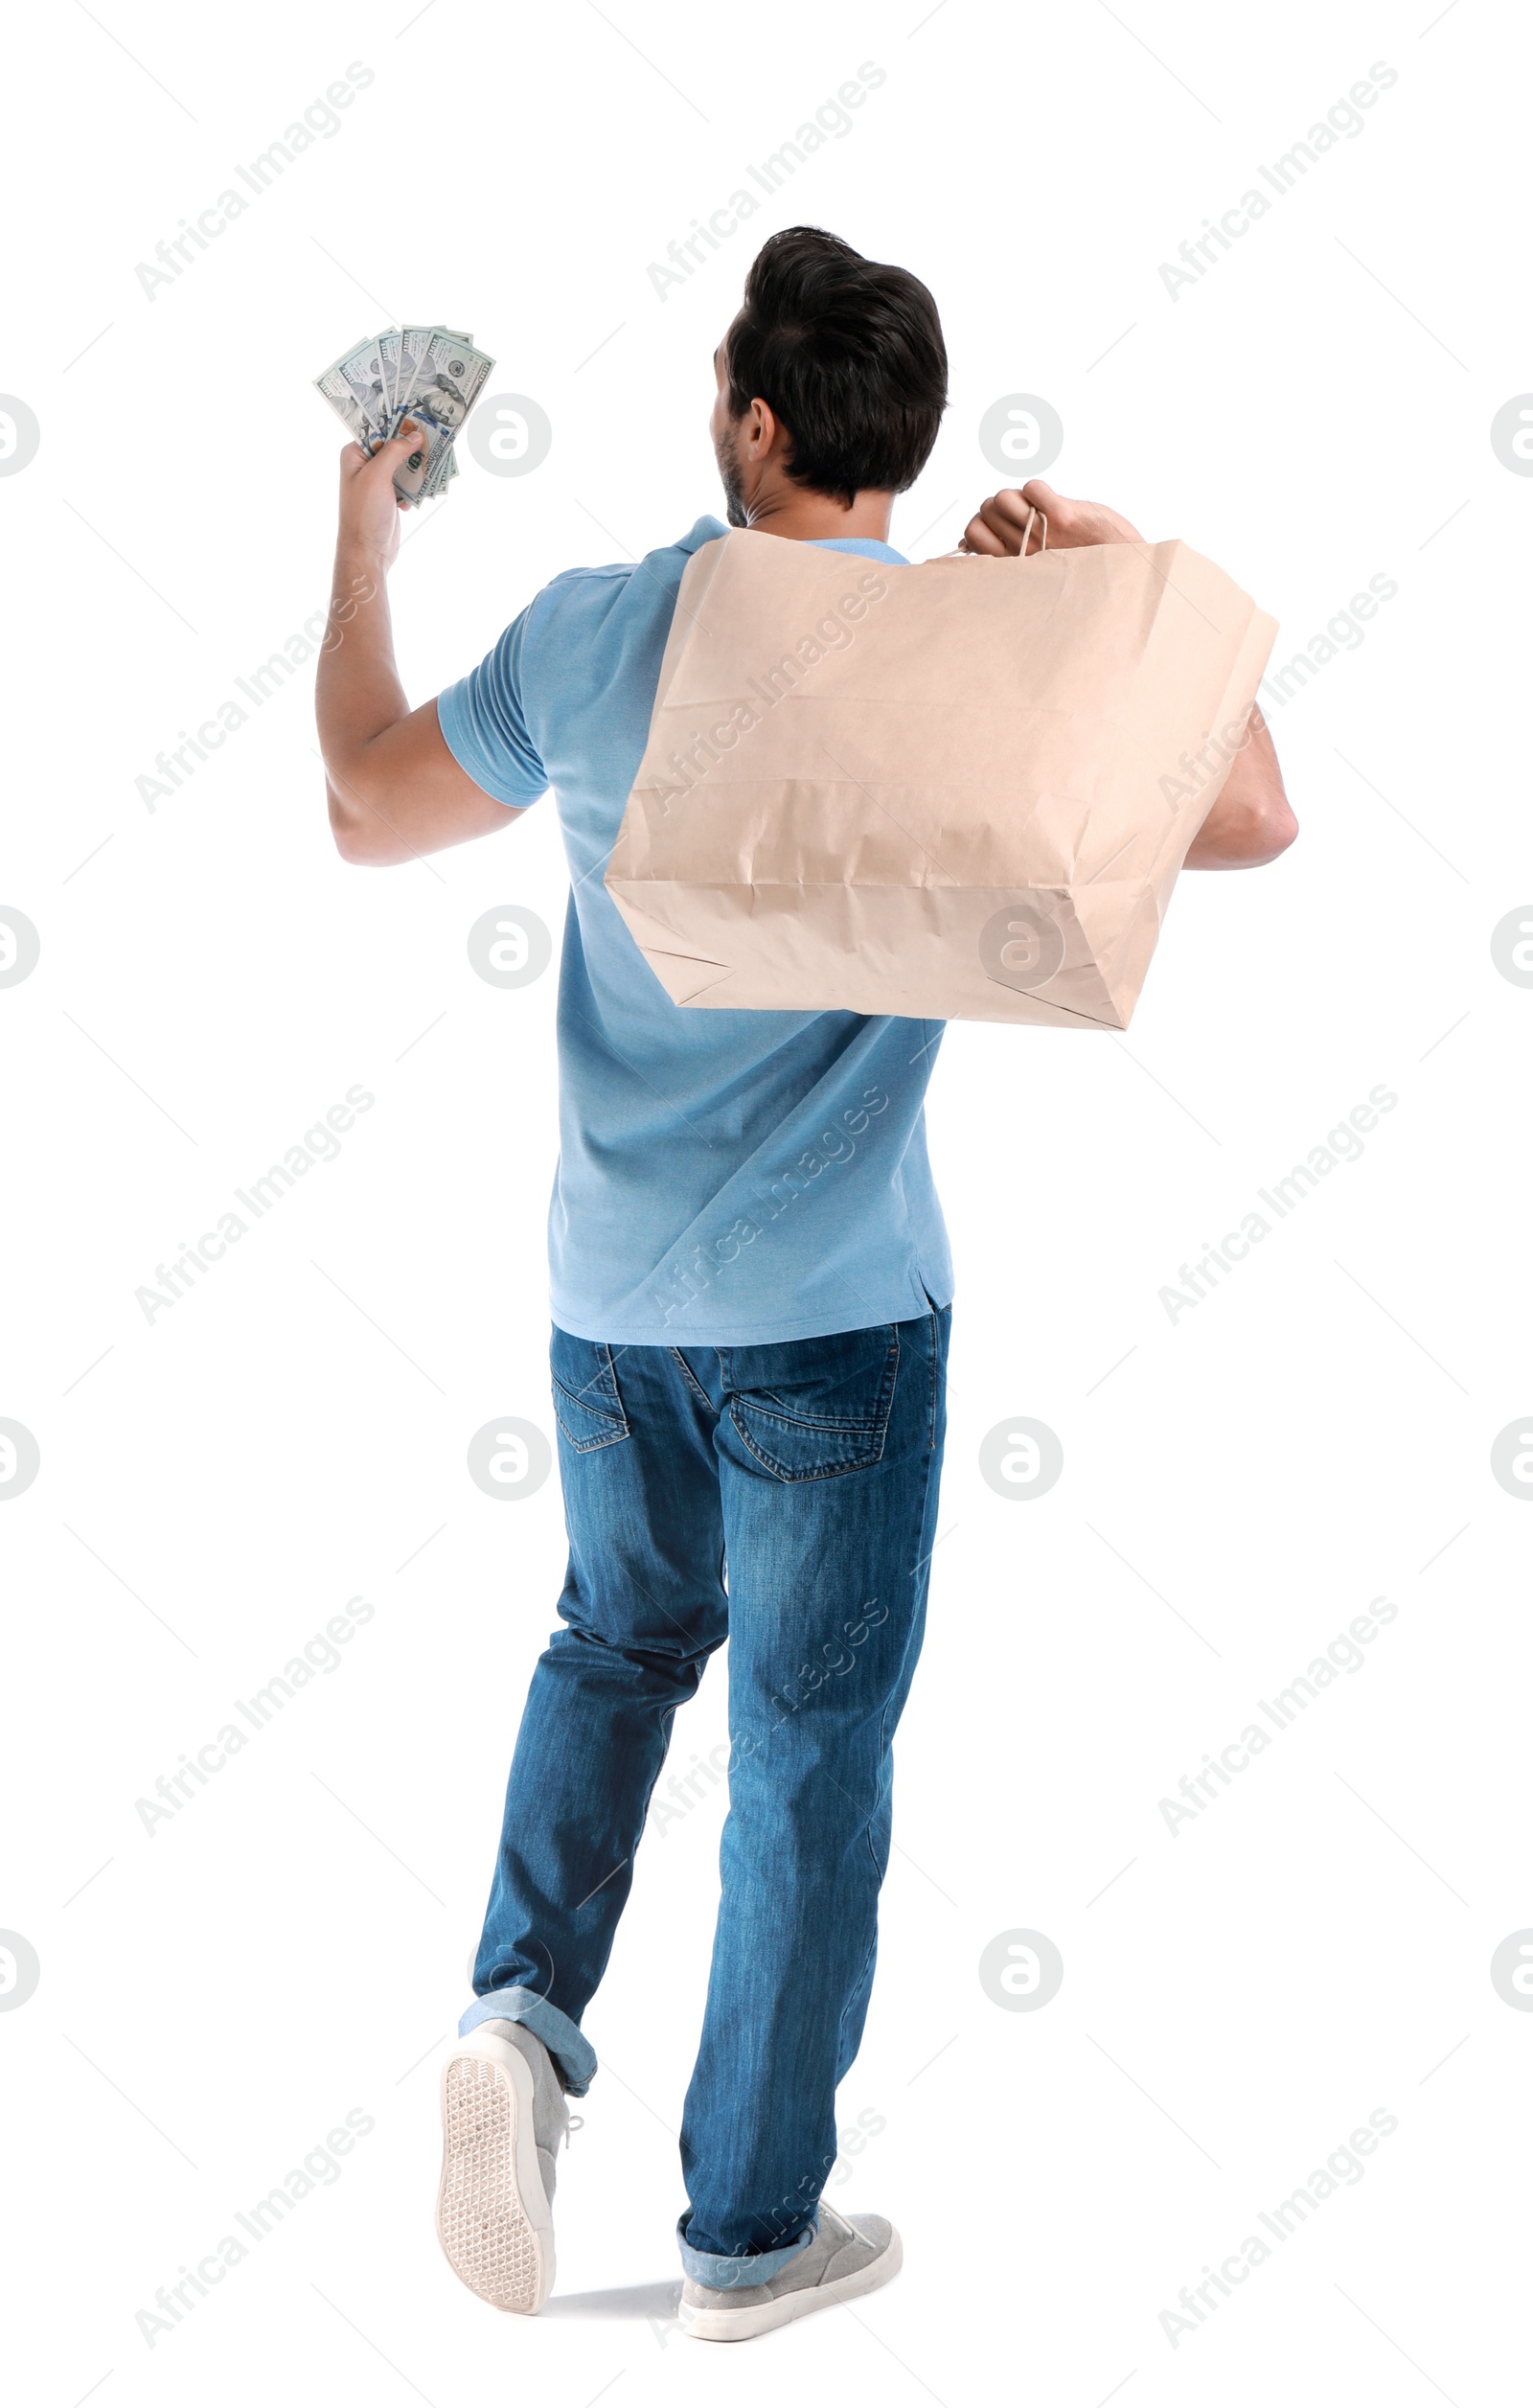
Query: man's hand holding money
370	502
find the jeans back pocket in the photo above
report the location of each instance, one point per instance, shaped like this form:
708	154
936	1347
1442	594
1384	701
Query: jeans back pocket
817	1405
587	1403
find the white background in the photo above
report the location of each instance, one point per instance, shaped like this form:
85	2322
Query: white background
1237	1485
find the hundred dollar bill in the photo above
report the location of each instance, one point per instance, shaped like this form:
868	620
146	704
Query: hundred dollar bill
443	469
450	380
414	342
363	369
431	375
358	373
439	357
446	374
389	353
401	346
343	401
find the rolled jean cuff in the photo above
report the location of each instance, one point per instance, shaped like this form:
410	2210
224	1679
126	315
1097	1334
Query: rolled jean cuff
735	2274
565	2042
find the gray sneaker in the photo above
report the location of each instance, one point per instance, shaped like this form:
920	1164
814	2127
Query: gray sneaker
503	2118
849	2255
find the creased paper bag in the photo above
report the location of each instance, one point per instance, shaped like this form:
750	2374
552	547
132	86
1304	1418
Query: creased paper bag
960	789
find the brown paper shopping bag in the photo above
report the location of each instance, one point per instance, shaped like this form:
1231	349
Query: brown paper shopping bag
961	790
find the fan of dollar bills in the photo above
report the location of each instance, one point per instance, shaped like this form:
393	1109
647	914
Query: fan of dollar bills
432	374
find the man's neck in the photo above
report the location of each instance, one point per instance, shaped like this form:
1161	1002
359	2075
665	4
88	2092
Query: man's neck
806	517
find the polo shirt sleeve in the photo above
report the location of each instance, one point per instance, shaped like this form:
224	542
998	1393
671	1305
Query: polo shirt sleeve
484	723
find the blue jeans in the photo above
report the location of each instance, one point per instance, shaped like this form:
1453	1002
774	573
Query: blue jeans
811	1469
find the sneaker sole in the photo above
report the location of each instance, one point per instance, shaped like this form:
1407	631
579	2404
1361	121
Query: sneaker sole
492	2214
743	2324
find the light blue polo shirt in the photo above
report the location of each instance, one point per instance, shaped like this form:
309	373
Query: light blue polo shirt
724	1177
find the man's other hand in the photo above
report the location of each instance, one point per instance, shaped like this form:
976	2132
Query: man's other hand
1250	821
998	525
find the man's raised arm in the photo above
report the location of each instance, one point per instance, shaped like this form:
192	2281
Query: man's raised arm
1252	821
395	791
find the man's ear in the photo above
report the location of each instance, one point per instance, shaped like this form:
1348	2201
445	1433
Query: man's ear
761	429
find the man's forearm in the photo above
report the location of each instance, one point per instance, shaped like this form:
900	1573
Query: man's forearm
1251	822
358	692
357	700
394	790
